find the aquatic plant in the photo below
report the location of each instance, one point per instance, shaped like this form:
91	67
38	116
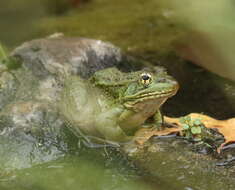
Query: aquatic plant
9	62
2	53
192	127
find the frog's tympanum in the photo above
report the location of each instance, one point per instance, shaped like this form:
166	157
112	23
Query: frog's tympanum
113	105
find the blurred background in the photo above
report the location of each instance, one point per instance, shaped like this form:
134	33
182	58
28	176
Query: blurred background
204	29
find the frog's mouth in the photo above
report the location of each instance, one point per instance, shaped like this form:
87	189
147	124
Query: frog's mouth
159	96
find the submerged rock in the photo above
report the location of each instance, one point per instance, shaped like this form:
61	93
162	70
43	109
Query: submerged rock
177	162
31	133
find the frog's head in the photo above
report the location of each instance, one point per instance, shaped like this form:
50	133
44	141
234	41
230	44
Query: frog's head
152	88
135	90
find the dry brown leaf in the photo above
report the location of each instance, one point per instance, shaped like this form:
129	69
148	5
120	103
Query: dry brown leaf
225	127
143	135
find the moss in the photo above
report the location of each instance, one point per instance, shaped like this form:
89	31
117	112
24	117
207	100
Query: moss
9	62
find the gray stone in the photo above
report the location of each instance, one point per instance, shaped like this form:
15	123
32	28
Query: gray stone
66	56
177	162
30	133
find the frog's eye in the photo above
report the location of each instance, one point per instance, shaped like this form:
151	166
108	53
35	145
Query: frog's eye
145	79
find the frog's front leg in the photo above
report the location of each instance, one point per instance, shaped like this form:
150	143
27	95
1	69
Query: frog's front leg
156	121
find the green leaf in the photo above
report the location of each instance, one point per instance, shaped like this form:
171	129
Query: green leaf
197	122
196	130
185	126
2	52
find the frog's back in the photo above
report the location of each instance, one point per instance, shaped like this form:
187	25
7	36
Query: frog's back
113	77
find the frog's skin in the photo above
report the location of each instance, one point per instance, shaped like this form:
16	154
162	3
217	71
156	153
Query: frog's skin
112	104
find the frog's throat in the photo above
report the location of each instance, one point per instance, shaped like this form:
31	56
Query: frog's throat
130	102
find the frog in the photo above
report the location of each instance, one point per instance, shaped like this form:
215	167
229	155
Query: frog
112	105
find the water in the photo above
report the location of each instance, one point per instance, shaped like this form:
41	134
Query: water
88	169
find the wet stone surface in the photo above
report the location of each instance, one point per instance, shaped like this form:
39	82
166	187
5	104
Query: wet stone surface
182	164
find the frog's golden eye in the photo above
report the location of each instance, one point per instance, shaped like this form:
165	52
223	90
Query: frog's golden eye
145	79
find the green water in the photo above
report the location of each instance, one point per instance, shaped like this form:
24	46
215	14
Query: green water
89	169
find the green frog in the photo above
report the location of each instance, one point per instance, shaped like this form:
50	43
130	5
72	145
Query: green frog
112	105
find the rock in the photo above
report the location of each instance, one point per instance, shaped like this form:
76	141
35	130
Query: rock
30	133
66	56
8	86
31	129
176	162
227	156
